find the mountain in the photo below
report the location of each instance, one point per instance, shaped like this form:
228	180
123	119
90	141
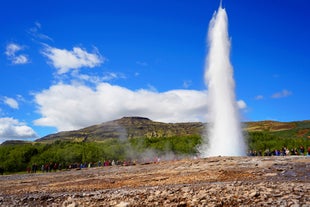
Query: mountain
15	142
128	127
135	127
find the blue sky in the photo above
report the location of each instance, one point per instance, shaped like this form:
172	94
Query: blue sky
69	64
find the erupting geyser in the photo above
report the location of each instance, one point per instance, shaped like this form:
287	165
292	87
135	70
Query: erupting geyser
224	133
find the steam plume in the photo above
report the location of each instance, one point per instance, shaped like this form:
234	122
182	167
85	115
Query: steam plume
224	129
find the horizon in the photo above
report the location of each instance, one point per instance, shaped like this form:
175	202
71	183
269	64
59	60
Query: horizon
67	65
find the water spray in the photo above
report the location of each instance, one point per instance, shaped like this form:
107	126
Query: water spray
224	134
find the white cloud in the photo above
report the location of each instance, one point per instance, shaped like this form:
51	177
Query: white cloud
11	50
111	75
20	59
142	63
38	25
11	128
241	104
282	94
259	97
65	60
69	107
151	88
95	79
11	102
187	83
35	32
87	78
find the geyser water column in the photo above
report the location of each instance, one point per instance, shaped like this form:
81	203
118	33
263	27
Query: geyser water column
224	134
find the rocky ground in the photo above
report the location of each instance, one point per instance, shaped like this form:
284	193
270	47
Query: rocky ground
217	181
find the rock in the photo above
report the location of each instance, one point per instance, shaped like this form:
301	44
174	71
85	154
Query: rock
122	204
254	194
182	204
185	189
73	205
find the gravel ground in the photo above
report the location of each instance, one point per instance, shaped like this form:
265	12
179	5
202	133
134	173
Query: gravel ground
216	181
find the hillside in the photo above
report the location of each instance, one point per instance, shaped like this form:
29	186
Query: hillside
128	127
137	127
297	129
15	142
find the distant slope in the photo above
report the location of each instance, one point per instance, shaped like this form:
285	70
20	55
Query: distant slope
127	127
15	142
270	126
282	129
135	127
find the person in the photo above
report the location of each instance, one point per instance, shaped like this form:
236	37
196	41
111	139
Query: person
55	167
294	151
34	168
309	151
277	152
47	167
301	150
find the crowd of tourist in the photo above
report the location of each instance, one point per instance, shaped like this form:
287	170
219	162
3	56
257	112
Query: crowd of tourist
284	151
53	167
49	167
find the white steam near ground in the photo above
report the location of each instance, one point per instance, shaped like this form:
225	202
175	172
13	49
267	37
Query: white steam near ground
141	154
